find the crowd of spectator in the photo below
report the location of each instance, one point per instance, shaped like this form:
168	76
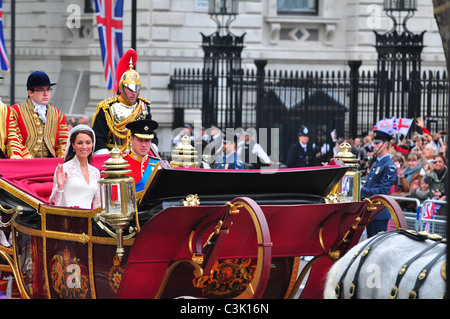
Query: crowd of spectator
421	162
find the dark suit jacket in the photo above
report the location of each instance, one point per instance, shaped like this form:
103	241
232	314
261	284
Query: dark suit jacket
298	157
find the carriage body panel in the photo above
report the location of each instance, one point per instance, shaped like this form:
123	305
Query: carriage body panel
61	252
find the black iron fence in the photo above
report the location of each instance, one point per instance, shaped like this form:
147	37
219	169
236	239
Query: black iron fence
347	102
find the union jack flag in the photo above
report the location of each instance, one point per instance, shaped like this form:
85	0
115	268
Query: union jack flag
430	209
109	15
4	63
387	125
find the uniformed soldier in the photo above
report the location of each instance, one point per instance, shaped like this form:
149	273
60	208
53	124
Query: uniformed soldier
380	179
142	158
114	113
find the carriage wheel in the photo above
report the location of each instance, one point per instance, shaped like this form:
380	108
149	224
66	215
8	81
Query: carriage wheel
256	288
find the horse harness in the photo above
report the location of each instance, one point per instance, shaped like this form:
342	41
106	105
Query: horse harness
419	236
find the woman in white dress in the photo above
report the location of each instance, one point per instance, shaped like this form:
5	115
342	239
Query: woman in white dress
75	183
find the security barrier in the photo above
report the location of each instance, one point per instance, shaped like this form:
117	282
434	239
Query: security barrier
427	216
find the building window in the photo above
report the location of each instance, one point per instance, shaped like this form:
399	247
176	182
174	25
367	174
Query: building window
294	7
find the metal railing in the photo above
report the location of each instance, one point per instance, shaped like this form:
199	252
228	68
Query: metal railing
434	224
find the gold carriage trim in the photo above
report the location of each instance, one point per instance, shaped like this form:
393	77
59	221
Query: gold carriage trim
34	203
81	238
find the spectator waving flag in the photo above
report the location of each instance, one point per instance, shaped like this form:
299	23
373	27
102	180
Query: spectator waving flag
109	15
4	64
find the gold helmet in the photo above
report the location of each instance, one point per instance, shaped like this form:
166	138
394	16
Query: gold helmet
130	79
126	75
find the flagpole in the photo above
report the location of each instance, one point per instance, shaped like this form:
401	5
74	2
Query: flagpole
133	24
12	63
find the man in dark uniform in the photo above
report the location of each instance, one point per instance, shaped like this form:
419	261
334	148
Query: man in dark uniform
380	179
301	153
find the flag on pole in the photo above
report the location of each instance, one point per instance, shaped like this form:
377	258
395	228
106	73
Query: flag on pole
109	14
4	63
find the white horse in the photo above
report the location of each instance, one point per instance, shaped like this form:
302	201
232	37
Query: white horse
390	265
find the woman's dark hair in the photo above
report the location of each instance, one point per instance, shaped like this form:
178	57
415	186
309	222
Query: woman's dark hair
71	151
444	159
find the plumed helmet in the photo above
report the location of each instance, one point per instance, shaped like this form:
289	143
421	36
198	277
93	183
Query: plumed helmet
126	76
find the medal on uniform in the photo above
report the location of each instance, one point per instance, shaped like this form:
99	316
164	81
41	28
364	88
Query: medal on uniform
378	170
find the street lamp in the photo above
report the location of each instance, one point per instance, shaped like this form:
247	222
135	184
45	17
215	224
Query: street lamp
222	8
400	5
408	6
118	199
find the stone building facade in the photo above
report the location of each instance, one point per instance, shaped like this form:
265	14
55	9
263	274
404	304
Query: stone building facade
60	37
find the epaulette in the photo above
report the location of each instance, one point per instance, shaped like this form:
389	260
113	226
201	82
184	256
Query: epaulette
144	100
107	102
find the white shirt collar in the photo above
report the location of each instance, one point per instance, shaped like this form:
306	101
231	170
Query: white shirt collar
41	110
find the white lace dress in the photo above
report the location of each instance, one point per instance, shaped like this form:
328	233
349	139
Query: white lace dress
77	193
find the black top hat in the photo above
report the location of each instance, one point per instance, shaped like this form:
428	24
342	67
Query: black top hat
381	136
37	79
143	128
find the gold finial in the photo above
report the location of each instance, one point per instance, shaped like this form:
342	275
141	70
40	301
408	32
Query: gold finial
191	200
131	63
184	154
346	156
116	165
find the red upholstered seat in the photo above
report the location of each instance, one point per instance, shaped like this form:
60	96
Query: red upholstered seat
35	176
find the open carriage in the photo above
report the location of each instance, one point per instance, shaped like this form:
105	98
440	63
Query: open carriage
202	233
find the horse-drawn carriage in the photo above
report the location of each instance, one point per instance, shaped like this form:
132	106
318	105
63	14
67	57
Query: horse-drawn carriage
195	232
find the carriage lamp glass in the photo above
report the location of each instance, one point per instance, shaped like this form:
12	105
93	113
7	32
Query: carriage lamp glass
118	198
349	187
223	7
400	5
117	191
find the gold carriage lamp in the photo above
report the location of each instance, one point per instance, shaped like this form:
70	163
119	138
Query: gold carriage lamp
349	187
184	154
118	199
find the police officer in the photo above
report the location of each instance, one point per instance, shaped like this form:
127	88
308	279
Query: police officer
301	153
380	179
